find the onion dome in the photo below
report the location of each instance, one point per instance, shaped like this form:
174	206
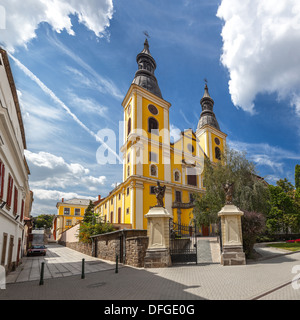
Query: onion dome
145	77
207	115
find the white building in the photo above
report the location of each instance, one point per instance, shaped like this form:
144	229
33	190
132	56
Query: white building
15	195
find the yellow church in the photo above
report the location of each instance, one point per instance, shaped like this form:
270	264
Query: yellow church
149	155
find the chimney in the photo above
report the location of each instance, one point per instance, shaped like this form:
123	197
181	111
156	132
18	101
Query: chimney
62	200
99	197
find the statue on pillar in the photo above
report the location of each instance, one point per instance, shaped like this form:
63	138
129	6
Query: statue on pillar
160	193
228	188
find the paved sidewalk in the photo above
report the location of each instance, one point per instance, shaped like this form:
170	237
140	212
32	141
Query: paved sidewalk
272	278
59	262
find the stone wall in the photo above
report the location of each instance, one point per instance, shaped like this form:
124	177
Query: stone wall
136	250
129	245
85	248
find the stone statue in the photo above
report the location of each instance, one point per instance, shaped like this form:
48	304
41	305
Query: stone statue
160	193
228	188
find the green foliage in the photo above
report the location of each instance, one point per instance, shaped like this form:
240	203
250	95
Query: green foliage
297	176
86	230
284	215
253	224
43	221
91	225
89	215
250	191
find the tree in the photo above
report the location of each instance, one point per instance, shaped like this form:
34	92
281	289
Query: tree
43	221
89	215
253	224
297	176
250	191
86	230
91	225
284	214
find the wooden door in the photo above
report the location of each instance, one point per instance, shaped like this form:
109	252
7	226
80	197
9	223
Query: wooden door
3	256
205	231
10	252
119	215
18	252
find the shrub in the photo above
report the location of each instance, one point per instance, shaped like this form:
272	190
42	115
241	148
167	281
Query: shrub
87	230
253	224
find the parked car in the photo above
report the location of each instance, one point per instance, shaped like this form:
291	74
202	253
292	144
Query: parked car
37	250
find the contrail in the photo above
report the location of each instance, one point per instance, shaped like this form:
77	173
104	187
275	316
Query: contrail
50	93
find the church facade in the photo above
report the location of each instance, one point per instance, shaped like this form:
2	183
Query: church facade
149	156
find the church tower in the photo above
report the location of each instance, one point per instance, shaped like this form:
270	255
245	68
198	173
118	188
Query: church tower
149	156
146	148
212	139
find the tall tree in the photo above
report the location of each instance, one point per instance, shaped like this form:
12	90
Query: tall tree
89	215
43	221
284	214
250	191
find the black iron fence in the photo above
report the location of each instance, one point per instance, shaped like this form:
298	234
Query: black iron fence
183	243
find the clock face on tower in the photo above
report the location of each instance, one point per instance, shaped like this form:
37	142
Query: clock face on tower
153	109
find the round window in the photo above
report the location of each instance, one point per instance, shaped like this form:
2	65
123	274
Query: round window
153	109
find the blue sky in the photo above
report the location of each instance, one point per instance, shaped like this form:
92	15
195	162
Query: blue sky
73	62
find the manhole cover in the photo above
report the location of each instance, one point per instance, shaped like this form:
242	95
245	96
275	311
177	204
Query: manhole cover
96	285
93	262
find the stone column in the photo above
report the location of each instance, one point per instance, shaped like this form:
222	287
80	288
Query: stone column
158	252
231	232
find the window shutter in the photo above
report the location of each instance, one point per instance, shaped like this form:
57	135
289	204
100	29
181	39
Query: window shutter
15	201
9	190
22	210
2	173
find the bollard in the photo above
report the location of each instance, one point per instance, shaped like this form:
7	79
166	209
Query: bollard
117	258
42	274
82	270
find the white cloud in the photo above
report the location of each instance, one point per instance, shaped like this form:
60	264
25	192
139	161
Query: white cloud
50	171
271	158
261	49
23	18
43	194
90	106
60	103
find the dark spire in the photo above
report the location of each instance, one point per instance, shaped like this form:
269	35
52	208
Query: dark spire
145	77
207	114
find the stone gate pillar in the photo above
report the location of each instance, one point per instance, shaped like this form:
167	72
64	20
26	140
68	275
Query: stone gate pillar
231	232
158	252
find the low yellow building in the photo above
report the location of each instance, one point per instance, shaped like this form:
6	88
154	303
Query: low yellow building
149	156
69	213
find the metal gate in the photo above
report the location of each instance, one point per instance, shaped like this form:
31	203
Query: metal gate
183	243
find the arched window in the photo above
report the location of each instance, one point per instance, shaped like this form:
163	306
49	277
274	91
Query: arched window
177	176
128	171
218	153
129	126
119	215
152	125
